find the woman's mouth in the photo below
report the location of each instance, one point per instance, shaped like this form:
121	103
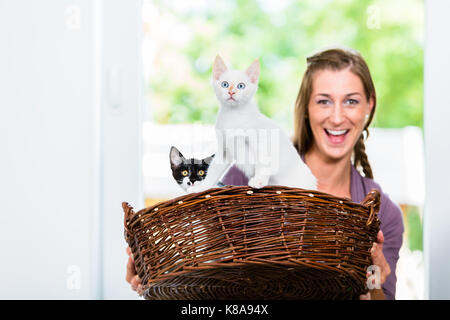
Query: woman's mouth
336	136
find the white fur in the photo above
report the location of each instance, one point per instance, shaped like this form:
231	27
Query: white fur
242	114
186	183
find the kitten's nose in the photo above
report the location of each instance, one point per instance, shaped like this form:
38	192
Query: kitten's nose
189	183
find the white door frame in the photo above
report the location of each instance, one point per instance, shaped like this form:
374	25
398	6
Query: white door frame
122	101
437	150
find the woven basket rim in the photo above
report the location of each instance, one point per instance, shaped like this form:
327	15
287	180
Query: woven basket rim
371	199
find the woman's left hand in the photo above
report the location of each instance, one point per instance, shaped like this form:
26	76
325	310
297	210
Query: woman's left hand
379	260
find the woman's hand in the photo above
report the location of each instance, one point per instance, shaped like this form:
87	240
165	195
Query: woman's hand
379	260
132	277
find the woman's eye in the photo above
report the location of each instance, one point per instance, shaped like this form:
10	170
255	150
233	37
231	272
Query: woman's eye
185	173
241	85
352	101
201	172
324	101
225	84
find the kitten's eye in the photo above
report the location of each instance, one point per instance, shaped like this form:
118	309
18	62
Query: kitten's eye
241	85
225	84
201	172
185	173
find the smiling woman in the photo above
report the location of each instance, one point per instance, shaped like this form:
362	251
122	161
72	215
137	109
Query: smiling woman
334	107
337	108
337	93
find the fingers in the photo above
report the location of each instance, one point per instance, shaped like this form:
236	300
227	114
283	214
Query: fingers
379	259
132	278
131	270
140	290
136	284
130	254
135	281
375	251
365	296
380	237
378	246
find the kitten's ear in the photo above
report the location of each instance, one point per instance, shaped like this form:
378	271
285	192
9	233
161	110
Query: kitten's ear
209	159
253	71
176	158
219	67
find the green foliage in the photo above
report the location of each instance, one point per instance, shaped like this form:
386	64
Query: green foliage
282	37
413	226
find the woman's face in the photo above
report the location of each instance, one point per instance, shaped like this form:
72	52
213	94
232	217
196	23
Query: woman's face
337	112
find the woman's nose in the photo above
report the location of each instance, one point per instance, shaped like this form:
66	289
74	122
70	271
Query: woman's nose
337	114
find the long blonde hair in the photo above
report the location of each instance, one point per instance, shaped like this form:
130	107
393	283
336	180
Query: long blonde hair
333	59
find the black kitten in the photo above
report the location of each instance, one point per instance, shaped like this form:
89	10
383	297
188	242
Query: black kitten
186	172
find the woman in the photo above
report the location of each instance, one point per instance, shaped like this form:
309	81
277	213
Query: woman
334	108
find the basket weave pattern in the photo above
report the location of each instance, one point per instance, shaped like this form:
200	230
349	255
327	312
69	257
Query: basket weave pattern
244	243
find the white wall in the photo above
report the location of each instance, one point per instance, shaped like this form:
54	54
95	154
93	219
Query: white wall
67	161
437	150
48	140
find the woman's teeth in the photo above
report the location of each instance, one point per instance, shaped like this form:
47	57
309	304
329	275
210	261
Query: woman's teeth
336	132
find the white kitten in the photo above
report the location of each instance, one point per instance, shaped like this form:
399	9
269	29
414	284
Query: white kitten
246	137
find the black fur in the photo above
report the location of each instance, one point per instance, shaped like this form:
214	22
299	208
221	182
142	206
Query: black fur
179	163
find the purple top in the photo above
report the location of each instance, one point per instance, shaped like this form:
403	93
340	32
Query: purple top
390	216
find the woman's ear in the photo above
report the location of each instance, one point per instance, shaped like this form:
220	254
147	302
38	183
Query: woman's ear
371	103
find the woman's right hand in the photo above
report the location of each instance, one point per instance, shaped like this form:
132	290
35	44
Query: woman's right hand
132	277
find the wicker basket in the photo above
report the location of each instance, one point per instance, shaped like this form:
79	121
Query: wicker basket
244	243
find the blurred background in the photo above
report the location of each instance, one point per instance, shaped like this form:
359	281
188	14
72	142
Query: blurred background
94	93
